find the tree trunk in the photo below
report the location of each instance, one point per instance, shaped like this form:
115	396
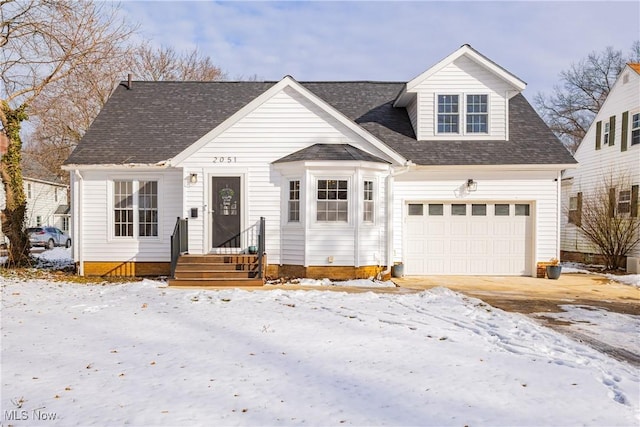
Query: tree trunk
13	215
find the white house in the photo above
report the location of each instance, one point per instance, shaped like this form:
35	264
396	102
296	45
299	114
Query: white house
47	197
609	153
452	172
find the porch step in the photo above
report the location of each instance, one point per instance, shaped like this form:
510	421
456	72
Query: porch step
217	270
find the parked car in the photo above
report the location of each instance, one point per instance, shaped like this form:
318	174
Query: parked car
48	237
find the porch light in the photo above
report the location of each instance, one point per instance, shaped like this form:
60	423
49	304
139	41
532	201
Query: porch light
471	185
193	178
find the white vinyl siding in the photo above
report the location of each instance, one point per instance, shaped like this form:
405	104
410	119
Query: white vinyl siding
97	194
284	124
462	77
538	189
598	165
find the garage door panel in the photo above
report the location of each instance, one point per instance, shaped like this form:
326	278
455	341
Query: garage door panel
470	244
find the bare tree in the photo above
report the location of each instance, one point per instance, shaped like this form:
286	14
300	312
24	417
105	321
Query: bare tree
584	87
165	64
43	43
611	222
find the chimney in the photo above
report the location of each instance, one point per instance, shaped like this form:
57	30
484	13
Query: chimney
129	80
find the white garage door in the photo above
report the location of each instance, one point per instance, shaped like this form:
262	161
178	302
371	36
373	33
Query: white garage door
492	238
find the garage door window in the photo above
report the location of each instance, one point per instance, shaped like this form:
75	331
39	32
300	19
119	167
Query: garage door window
458	210
522	210
501	209
436	209
415	210
478	210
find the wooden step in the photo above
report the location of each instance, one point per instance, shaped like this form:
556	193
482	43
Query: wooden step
216	274
215	282
219	259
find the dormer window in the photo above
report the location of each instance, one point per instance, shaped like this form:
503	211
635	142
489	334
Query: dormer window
448	114
475	120
477	114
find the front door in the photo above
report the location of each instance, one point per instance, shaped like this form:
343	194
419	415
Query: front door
225	211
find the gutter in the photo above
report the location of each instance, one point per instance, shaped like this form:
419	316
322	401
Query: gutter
77	224
389	195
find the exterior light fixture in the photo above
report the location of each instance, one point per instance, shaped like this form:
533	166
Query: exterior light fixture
471	185
193	178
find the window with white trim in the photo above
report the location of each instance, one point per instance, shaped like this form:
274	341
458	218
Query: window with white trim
29	191
294	201
135	208
65	223
368	202
448	114
605	136
148	209
332	203
624	202
635	129
477	114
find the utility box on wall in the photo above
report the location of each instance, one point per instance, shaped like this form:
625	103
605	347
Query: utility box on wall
194	213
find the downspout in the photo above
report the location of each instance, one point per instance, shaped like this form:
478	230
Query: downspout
77	224
389	196
559	215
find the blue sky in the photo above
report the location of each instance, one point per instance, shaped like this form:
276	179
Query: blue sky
387	41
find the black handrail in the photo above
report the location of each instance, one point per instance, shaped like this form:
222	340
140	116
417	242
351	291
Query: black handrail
179	242
261	247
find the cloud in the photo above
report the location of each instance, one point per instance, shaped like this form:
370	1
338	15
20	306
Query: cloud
386	40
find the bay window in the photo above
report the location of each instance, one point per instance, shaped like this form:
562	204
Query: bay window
332	203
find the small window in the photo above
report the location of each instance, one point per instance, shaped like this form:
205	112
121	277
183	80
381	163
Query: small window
65	223
624	202
55	194
332	204
123	208
416	210
501	209
29	191
477	114
368	201
448	114
294	201
478	210
605	136
522	210
458	209
38	220
436	209
635	129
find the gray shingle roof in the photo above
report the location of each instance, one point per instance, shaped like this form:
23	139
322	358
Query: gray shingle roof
331	152
155	121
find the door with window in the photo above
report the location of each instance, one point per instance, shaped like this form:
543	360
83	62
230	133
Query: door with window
225	212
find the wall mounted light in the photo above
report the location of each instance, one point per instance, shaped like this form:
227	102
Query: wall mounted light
193	178
471	185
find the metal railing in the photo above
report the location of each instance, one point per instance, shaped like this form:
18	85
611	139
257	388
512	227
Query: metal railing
179	242
249	241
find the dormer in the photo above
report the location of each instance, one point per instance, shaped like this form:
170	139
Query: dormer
463	97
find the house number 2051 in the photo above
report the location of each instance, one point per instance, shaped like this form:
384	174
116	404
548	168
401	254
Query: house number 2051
228	159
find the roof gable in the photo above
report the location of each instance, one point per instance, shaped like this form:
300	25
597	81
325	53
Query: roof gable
288	82
473	55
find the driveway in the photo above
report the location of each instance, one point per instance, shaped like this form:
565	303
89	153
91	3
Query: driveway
532	296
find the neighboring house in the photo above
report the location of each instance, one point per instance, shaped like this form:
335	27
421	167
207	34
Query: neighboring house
452	172
609	153
47	204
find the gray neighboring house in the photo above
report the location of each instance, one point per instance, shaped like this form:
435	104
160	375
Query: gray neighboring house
452	172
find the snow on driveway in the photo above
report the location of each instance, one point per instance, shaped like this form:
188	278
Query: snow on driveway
143	354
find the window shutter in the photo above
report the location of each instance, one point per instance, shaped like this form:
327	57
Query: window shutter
612	130
625	131
579	210
612	202
598	134
634	200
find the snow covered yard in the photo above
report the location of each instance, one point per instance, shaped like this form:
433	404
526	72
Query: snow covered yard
144	354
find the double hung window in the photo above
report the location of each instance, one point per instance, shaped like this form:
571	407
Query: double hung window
476	117
294	201
368	202
135	208
635	129
332	203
